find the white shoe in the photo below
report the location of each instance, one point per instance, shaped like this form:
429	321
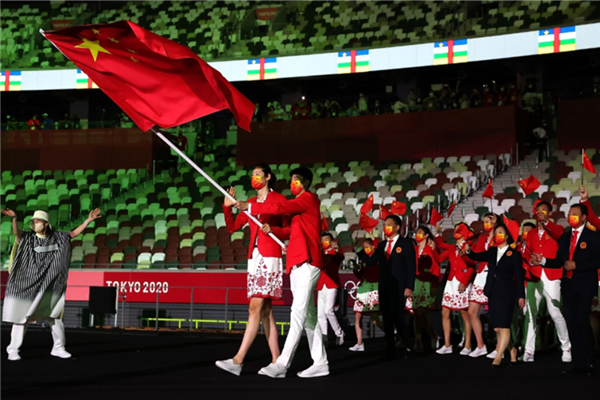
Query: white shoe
478	352
230	366
462	342
314	371
273	370
527	357
340	339
14	357
444	350
492	354
566	356
465	352
357	347
60	353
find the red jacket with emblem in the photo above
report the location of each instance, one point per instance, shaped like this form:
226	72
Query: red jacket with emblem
461	267
547	247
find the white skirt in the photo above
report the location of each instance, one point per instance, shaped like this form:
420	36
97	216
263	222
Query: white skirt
265	276
476	293
46	305
453	299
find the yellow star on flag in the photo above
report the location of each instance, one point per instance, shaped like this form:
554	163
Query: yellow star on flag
441	44
344	54
131	51
546	32
93	46
134	60
113	40
96	31
253	61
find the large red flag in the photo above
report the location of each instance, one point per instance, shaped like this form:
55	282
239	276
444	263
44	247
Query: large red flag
324	224
489	190
529	185
435	218
513	228
398	208
384	212
367	223
452	206
367	206
154	80
587	163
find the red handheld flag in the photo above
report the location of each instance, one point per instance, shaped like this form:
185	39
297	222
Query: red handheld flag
154	80
463	230
587	163
435	218
452	206
367	223
383	213
529	185
489	190
398	208
324	224
513	228
367	206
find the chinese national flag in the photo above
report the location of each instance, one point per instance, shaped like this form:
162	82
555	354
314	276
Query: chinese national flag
435	218
154	80
587	163
398	208
367	223
513	228
367	206
529	185
324	224
384	212
489	190
452	206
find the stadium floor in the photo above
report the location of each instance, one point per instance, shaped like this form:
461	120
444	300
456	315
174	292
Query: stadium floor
167	365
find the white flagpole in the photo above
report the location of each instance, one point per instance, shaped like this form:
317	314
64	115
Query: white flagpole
215	184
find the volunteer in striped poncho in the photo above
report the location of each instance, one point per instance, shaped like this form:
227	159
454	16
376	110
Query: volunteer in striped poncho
37	283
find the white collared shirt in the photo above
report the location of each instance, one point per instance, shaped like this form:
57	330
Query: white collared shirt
579	232
501	252
394	240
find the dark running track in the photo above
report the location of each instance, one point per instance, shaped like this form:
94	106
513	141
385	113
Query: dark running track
173	365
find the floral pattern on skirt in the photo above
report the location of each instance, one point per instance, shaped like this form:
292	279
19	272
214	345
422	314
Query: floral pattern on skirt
367	298
453	299
265	276
476	292
421	297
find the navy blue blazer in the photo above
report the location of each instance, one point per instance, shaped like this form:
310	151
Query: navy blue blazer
587	262
505	278
402	264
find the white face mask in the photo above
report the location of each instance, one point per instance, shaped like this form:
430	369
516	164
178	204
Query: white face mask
38	227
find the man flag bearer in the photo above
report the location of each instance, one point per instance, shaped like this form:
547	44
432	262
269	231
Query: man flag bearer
37	283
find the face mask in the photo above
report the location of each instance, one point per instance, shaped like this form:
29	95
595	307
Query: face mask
419	237
524	235
388	230
457	236
500	238
326	244
488	227
368	250
38	227
296	188
258	183
574	221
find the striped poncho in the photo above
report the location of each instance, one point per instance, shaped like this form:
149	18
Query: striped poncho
37	283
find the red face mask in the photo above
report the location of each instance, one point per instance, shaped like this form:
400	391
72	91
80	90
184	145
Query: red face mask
388	230
499	238
368	250
419	237
296	187
574	221
258	182
488	227
326	244
524	235
457	236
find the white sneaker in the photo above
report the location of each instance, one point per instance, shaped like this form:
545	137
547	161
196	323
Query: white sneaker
444	350
340	339
273	370
465	352
314	371
357	347
230	366
60	353
527	357
566	356
478	352
492	354
462	342
14	357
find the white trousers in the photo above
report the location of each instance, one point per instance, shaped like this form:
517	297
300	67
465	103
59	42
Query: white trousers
551	291
303	316
18	333
325	304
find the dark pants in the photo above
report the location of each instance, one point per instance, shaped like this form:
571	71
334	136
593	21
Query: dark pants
392	310
542	149
577	309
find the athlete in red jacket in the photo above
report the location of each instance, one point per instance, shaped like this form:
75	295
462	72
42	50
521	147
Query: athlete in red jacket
304	263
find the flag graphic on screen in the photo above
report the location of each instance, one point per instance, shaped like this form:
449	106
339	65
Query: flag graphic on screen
557	40
84	82
11	80
349	62
260	69
450	52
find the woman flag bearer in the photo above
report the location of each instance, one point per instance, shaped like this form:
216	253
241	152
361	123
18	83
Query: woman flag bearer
37	283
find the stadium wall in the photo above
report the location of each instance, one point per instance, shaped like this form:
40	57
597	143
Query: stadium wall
578	125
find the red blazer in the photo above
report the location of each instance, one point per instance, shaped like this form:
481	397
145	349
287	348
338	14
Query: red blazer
331	267
428	268
479	247
547	247
280	224
554	230
305	234
463	268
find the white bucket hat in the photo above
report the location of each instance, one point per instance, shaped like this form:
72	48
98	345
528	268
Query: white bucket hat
43	215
